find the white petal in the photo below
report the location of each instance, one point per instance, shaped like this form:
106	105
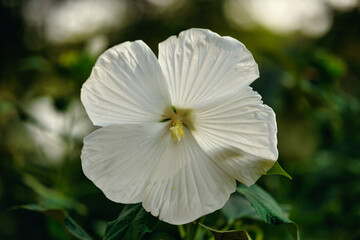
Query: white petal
239	134
126	86
120	158
186	184
200	65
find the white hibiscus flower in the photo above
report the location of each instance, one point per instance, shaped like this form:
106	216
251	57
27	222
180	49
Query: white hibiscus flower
177	131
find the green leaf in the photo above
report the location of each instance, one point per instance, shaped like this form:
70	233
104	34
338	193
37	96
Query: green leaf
278	170
228	235
51	199
133	223
61	215
268	209
239	207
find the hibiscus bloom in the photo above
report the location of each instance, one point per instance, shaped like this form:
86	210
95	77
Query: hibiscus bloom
177	131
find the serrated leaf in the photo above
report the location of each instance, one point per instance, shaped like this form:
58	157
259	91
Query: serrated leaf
132	224
60	215
228	235
268	209
278	170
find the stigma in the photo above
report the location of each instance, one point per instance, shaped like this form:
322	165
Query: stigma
177	131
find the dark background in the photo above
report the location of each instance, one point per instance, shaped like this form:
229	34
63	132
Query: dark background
308	54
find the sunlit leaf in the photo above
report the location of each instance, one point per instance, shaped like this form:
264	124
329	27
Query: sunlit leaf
60	215
228	235
132	224
268	209
278	170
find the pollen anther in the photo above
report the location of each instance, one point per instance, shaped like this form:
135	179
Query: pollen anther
177	131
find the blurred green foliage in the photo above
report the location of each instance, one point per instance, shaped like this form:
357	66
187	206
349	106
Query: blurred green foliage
311	83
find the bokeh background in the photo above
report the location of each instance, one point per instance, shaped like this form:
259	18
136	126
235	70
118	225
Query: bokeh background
308	52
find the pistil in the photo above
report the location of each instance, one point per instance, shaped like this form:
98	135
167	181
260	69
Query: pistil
177	131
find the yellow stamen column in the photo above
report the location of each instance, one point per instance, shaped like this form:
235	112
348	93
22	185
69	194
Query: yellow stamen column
177	132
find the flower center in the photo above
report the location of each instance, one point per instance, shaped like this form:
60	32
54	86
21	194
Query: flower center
178	118
177	131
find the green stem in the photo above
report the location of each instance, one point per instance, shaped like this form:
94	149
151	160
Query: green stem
198	228
190	230
181	231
